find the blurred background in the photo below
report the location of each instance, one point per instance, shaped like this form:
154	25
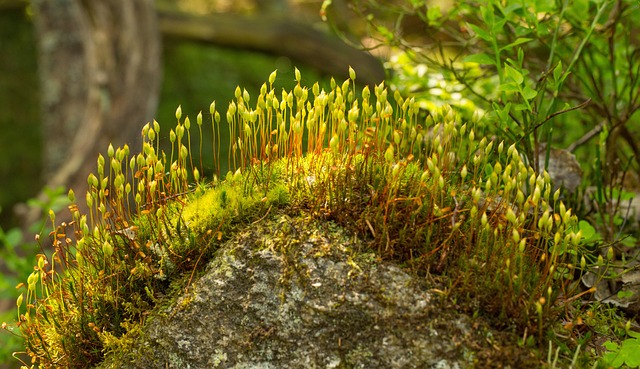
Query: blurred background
76	75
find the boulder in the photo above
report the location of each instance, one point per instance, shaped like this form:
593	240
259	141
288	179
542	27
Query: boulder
295	293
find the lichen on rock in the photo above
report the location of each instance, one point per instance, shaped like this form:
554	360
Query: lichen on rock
295	293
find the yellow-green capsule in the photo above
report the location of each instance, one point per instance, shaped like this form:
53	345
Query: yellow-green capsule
389	154
107	249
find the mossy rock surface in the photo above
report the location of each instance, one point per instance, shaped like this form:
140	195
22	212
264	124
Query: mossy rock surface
295	293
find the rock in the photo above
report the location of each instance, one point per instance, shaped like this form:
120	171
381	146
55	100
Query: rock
563	168
288	293
617	284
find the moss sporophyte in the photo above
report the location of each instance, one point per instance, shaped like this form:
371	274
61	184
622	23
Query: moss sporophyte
427	191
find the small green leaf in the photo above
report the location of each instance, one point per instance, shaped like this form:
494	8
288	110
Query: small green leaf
509	87
511	8
512	73
618	220
624	294
521	107
518	41
528	93
487	15
588	232
498	27
433	15
384	31
483	34
611	346
481	58
543	6
557	72
631	351
629	241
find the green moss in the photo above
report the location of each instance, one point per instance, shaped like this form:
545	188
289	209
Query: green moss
425	193
239	199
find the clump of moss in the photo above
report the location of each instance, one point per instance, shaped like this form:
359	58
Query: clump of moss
428	192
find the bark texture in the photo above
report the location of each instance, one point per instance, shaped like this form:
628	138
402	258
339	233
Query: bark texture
100	70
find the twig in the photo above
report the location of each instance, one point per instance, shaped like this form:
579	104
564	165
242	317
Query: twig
588	136
264	216
579	106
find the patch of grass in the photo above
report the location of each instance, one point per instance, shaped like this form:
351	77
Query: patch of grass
431	193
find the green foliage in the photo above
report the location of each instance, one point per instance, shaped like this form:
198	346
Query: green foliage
530	65
432	88
628	353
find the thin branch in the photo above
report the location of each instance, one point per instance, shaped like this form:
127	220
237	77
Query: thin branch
579	106
588	136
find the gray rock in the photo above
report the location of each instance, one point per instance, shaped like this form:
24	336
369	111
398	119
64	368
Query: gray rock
292	294
563	168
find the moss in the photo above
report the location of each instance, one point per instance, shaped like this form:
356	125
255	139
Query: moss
427	194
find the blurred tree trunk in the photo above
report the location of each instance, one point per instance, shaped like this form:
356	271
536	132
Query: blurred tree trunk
100	70
275	34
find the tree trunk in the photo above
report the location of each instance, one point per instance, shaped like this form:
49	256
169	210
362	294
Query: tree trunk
277	35
100	70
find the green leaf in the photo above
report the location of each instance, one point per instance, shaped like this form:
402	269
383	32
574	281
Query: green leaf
611	346
384	31
513	74
624	195
502	112
518	41
544	6
483	34
618	220
433	14
624	294
509	87
629	241
557	72
481	58
631	351
487	15
509	9
588	232
528	93
521	107
498	27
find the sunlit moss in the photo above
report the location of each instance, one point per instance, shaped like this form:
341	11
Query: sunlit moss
426	191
